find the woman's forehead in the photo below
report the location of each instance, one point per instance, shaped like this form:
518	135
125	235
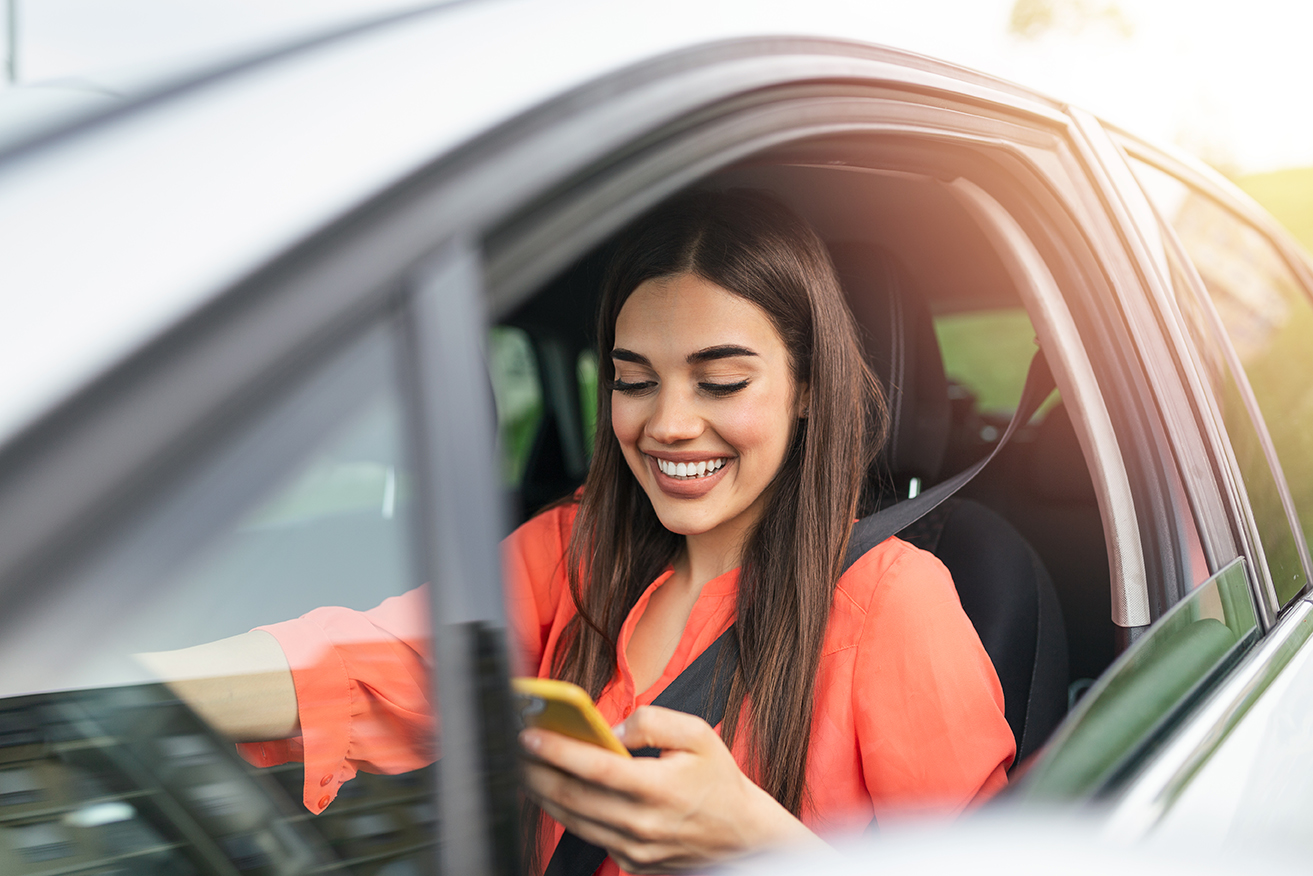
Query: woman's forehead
683	314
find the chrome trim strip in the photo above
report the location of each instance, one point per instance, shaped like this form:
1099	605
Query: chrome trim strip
1075	377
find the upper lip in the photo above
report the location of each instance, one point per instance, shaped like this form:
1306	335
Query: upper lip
686	455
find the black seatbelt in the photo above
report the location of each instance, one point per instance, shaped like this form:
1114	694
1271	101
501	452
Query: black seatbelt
702	689
875	528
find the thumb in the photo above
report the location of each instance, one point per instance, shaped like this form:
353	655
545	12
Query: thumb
666	729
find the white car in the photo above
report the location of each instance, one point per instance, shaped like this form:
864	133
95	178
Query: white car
249	319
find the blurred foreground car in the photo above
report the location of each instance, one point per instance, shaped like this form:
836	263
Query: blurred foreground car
249	321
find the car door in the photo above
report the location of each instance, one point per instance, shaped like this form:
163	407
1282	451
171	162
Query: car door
1228	288
257	463
1028	180
1244	289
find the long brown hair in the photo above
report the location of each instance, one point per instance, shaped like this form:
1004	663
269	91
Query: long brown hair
751	245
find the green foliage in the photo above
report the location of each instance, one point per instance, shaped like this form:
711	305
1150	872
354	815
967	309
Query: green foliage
518	393
587	373
1288	196
988	352
1032	19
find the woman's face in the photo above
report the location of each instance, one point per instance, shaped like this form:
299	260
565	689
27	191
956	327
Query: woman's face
704	402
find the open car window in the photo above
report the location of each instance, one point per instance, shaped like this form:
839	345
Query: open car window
102	768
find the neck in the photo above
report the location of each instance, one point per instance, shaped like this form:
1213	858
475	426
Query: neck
709	555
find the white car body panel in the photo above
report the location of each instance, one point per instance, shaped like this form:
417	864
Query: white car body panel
176	200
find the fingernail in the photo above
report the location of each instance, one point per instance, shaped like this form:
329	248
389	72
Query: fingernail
530	740
619	731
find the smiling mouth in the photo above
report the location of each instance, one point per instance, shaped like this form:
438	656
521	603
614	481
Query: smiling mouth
689	471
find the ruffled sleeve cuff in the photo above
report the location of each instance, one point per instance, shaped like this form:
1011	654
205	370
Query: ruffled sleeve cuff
324	705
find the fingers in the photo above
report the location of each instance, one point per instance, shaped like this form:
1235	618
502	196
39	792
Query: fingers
634	835
663	814
558	790
667	730
635	849
592	763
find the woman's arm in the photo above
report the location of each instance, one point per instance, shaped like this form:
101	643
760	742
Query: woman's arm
690	807
242	686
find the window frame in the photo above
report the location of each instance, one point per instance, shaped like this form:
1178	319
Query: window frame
1284	250
1043	165
1200	449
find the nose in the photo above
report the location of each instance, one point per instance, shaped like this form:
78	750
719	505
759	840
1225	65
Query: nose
674	418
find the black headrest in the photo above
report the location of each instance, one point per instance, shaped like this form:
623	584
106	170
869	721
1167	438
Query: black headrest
902	348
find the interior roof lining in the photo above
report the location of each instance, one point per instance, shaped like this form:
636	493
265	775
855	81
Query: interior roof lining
948	257
910	213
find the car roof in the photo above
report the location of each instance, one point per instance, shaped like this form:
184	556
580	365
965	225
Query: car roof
120	226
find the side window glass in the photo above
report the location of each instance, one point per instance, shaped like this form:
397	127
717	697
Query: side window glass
518	392
1267	318
304	506
986	355
1139	699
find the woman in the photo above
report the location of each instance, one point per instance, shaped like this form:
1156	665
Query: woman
723	494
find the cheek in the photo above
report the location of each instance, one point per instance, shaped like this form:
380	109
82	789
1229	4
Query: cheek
762	430
626	420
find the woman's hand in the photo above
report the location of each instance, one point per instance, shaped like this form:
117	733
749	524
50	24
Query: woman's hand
688	808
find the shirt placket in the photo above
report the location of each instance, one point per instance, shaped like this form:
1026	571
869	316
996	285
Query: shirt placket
623	697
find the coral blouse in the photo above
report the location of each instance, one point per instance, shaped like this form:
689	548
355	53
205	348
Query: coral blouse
909	712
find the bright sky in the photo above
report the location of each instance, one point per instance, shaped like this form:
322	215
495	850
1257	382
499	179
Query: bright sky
1227	80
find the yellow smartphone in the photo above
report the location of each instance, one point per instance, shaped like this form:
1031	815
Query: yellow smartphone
563	708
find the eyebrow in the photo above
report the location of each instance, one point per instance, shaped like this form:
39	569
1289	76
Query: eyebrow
710	354
725	351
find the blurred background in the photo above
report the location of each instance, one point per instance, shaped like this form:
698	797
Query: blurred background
1224	80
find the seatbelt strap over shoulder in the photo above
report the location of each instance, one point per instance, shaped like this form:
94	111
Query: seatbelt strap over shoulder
875	528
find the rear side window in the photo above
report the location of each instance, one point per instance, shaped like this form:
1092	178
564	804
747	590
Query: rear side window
587	373
517	390
986	354
1267	318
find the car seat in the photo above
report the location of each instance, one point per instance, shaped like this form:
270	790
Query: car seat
1001	582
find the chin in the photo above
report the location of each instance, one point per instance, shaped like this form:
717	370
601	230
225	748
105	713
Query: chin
683	524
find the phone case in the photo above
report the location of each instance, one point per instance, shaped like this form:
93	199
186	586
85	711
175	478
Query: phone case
564	708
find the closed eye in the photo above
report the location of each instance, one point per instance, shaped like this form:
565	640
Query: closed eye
635	388
722	389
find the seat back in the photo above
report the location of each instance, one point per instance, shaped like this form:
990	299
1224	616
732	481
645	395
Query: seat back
1001	582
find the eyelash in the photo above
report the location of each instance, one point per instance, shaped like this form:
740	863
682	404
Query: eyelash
723	389
632	388
719	390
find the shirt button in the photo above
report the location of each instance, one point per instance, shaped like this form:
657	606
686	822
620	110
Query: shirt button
323	801
325	780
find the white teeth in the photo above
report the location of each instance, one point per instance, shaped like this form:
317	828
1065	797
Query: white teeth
688	470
